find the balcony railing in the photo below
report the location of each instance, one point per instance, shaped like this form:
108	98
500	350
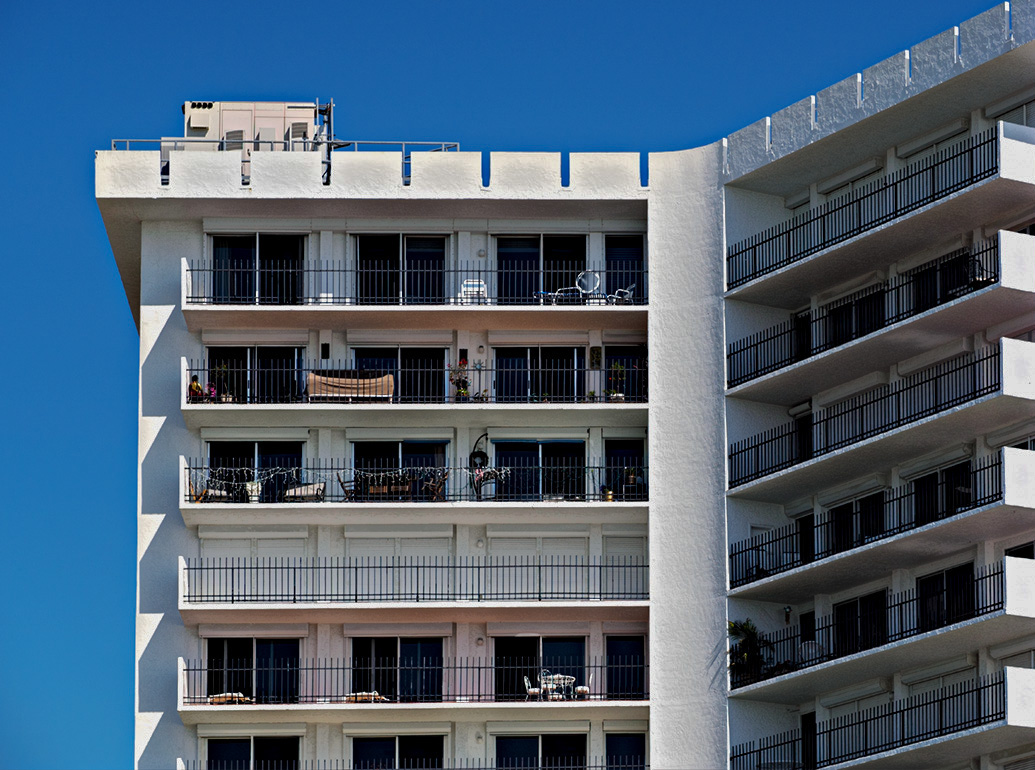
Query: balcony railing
918	184
227	481
901	509
422	283
898	724
433	763
414	579
412	680
324	382
846	632
932	284
877	411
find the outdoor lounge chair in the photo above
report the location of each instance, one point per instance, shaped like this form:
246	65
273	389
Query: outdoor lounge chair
306	493
621	296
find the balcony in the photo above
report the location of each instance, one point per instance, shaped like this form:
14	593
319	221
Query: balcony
233	483
387	684
436	763
230	384
896	528
964	397
574	587
954	296
981	179
469	295
934	729
883	633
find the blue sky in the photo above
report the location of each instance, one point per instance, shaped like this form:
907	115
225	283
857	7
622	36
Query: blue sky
541	75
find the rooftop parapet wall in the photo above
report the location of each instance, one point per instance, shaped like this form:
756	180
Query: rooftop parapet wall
906	74
370	175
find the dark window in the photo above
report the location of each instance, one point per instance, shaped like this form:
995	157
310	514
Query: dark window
421	752
517	269
1026	551
860	624
276	671
276	753
515	659
564	257
806	531
233	260
229	754
425	270
373	753
550	468
626	661
626	751
420	670
808	741
375	666
377	269
944	598
623	257
563	752
280	269
230	666
517	751
623	468
264	375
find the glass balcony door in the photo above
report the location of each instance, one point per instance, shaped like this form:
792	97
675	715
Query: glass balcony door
264	269
264	374
624	259
537	470
420	374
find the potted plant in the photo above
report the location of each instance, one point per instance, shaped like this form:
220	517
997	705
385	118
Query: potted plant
591	397
631	475
749	651
617	391
607	494
459	380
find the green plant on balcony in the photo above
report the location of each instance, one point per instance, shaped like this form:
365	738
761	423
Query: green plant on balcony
749	651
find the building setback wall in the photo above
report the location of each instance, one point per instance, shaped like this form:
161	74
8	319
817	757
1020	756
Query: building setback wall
687	523
163	437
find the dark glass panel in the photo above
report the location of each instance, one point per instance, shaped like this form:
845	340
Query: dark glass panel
518	270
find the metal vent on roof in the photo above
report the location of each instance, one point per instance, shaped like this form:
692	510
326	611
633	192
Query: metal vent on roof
299	130
234	140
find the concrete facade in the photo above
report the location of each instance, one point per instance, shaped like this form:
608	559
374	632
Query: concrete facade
837	307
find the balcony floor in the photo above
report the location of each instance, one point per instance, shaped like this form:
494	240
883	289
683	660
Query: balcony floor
414	612
991	201
949	428
387	713
477	513
880	350
959	639
903	551
480	318
370	415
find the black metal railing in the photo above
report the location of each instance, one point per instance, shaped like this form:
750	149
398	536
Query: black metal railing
242	481
420	282
431	763
877	411
865	312
899	509
325	382
898	724
415	579
860	626
918	184
416	680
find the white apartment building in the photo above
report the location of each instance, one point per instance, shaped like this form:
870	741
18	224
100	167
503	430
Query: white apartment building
408	498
